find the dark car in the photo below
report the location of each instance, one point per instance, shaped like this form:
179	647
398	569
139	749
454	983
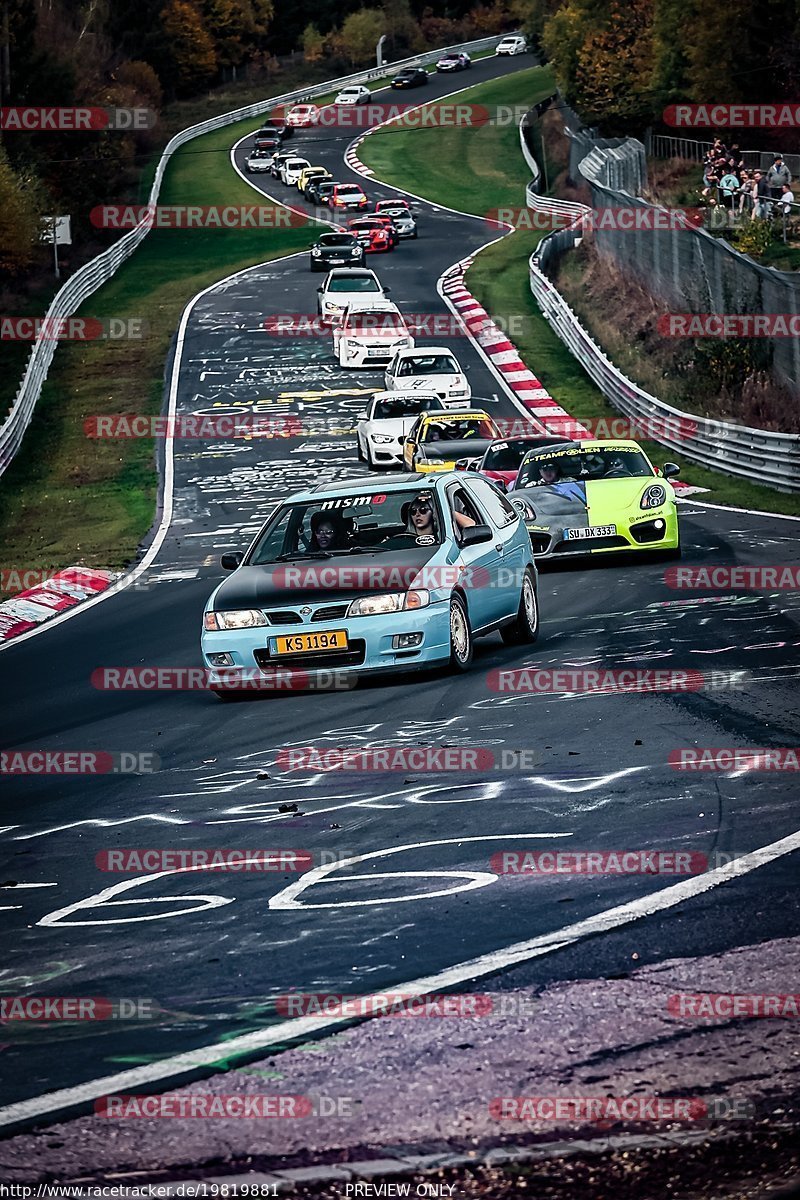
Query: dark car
502	459
336	250
322	193
269	136
279	159
410	77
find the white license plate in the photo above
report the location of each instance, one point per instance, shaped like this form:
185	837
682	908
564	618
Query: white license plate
589	531
335	261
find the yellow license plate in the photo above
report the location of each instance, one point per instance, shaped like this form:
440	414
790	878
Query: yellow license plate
331	639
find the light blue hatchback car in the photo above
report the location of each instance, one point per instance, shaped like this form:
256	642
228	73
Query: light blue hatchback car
374	574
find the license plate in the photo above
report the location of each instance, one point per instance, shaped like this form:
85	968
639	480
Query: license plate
589	531
332	639
335	260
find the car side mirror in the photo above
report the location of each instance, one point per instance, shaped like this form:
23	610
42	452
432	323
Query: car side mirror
473	535
462	464
671	470
386	291
320	290
231	560
362	417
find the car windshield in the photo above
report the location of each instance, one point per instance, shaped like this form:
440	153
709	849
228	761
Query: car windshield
506	456
608	462
336	239
430	364
395	211
457	430
388	323
346	189
392	407
350	525
354	283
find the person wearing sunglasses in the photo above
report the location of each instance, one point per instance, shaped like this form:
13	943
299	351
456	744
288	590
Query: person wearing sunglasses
420	519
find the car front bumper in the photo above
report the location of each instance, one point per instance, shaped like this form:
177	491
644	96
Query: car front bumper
370	644
551	544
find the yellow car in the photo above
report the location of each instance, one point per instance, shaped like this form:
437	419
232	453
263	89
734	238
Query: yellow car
596	497
309	173
438	439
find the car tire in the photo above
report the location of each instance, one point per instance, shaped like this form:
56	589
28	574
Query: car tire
415	235
461	642
226	695
525	629
360	453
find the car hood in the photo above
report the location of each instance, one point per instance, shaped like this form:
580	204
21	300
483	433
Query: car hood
391	426
425	383
461	448
601	499
315	581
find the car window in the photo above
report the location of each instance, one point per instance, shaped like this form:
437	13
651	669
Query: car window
430	364
354	283
463	505
500	511
336	239
599	463
392	407
463	429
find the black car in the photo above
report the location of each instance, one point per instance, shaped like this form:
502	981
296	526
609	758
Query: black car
279	159
271	135
336	250
311	190
410	77
323	193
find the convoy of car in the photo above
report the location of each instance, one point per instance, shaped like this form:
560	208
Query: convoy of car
466	497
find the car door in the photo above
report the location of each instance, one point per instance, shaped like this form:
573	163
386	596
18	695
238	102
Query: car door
411	443
510	547
482	561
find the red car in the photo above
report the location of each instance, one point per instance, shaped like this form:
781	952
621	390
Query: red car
378	219
371	235
501	461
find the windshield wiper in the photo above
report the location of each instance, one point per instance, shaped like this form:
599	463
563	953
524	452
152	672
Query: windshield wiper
302	554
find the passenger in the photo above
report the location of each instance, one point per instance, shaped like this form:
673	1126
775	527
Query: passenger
327	532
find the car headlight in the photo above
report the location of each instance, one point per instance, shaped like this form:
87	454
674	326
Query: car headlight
523	507
370	606
333	307
238	618
380	438
653	496
316	252
356	250
458	391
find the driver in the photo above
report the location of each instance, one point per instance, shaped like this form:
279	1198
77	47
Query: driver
548	473
617	469
327	532
593	466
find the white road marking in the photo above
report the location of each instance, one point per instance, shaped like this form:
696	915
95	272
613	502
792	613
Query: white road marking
486	964
728	508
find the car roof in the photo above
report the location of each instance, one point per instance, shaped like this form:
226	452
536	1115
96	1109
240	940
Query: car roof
376	304
419	352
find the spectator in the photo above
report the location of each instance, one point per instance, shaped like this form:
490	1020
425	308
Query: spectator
746	190
786	201
761	197
716	216
778	175
711	184
729	185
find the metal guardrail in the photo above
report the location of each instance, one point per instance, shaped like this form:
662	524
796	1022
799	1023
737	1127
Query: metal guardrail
92	275
760	455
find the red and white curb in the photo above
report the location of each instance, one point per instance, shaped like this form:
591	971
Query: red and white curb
505	357
55	595
354	162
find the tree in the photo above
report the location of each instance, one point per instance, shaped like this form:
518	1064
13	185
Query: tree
360	33
614	66
313	44
192	50
19	219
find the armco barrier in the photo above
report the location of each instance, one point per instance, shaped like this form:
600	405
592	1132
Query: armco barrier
94	274
759	455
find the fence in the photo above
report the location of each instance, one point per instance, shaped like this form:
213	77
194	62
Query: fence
664	146
94	274
755	454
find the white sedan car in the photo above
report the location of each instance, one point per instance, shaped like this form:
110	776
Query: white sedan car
434	369
370	334
292	169
382	429
344	286
301	115
354	94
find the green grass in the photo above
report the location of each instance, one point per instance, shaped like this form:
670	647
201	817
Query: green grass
70	499
477	170
474	168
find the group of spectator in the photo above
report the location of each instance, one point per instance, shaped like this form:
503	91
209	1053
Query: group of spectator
729	185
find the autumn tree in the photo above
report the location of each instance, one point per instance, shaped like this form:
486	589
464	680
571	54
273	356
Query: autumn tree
359	35
19	219
191	46
614	66
313	44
